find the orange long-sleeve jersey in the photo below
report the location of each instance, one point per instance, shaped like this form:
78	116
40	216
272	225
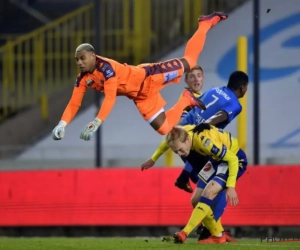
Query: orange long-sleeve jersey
110	77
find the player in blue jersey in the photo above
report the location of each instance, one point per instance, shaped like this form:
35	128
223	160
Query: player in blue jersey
222	107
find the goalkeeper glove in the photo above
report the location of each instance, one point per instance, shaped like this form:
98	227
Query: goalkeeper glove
59	131
89	130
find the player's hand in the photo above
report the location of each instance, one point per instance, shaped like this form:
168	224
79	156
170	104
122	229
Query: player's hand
232	196
147	164
90	129
59	131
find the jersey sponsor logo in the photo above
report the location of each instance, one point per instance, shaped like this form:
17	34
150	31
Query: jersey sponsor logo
200	208
170	76
107	70
207	166
214	150
224	150
206	143
222	168
89	82
207	172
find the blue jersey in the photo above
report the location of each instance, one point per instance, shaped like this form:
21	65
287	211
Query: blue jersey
216	100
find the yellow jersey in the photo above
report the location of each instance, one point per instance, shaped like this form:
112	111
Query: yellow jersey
163	147
219	145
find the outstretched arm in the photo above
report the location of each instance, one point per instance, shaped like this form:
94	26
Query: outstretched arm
71	110
110	92
162	148
74	103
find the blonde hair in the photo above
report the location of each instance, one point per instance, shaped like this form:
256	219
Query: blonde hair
177	133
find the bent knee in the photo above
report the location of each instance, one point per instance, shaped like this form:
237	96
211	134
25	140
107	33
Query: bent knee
161	126
209	195
212	189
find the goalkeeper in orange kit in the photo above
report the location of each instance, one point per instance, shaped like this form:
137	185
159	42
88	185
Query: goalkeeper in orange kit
140	83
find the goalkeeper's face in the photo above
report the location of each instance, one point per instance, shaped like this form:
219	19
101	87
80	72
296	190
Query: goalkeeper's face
86	61
181	148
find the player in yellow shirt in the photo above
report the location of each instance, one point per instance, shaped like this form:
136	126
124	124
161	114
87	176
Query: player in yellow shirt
228	163
194	80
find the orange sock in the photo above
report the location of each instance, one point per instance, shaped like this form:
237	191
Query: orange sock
196	43
173	115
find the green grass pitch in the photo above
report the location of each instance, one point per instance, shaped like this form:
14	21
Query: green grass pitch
131	244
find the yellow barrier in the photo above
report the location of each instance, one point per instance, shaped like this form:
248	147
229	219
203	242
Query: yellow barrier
242	61
171	21
169	158
39	63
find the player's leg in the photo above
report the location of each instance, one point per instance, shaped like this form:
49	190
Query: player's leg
212	189
152	109
202	208
193	49
157	76
204	176
215	228
204	203
200	212
218	205
196	43
218	208
202	230
197	194
172	70
220	179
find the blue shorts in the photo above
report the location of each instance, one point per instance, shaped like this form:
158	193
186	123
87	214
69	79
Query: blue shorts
218	171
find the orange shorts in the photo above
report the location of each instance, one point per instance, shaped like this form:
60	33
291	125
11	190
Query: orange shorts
158	75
